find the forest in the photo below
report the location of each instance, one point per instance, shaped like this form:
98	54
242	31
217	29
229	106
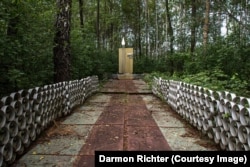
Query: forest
204	42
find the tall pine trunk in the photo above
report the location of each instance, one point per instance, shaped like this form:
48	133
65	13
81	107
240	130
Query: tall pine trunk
139	27
62	41
81	13
206	26
156	29
193	27
170	33
98	24
147	28
170	28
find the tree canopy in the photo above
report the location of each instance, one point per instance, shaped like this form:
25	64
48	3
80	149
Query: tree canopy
194	40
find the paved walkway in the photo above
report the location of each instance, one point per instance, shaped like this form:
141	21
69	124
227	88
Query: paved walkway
125	115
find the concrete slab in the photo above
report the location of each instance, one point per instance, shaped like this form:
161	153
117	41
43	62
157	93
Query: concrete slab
64	130
94	103
183	139
85	117
139	81
58	146
125	76
89	107
112	115
165	119
179	134
153	103
149	98
103	137
155	107
142	87
45	161
84	161
100	98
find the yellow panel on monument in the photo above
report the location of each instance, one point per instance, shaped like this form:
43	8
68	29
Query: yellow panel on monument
125	63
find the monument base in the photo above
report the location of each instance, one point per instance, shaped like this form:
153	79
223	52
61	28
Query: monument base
125	76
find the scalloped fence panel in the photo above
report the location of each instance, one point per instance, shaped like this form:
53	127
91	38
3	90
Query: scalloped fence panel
223	116
26	113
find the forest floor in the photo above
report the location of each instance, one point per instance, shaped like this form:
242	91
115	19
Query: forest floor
124	115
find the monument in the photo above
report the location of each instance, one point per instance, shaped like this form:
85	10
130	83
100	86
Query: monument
125	62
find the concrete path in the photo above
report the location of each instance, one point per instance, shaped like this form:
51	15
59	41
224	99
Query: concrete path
125	115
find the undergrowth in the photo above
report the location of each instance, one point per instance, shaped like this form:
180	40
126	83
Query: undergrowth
215	80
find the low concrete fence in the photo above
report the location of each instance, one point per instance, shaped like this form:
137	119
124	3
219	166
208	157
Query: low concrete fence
222	116
26	113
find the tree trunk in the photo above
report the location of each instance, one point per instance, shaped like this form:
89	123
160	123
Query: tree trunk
98	24
171	36
156	30
111	29
182	42
206	26
139	27
193	27
62	41
170	28
147	27
81	13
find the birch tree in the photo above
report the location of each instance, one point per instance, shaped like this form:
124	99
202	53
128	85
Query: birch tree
62	41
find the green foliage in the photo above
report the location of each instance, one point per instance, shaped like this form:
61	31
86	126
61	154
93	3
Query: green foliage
218	80
26	52
239	86
150	76
226	116
215	80
26	29
146	65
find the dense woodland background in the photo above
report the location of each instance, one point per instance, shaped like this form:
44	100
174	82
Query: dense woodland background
204	42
